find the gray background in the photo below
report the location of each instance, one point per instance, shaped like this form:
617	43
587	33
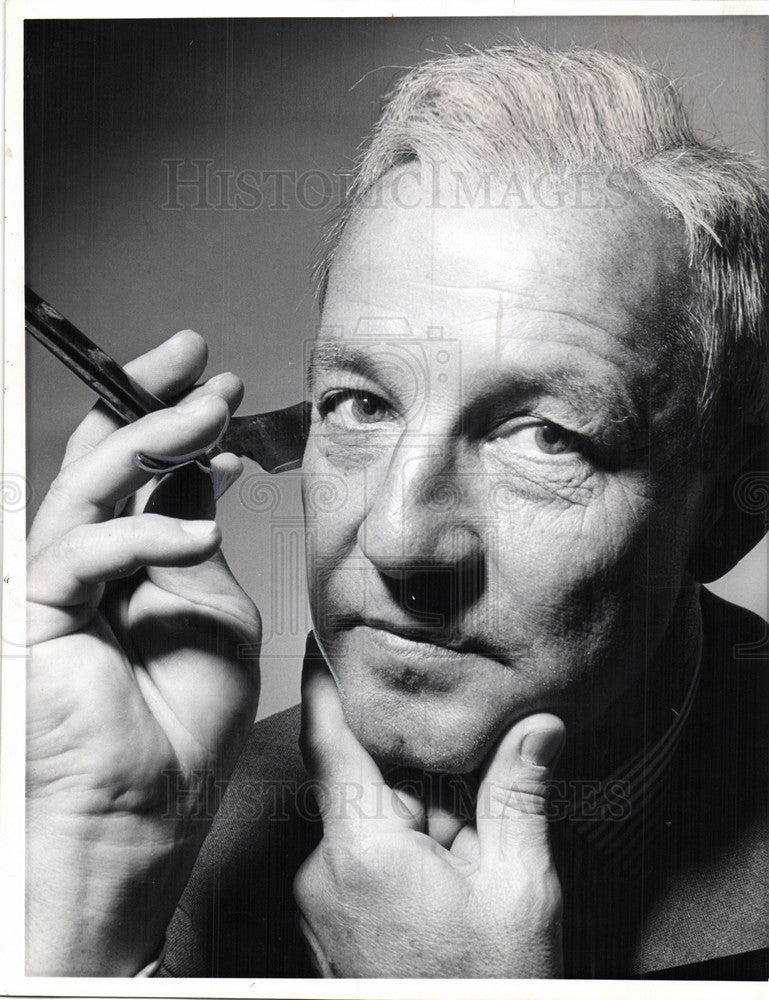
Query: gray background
107	102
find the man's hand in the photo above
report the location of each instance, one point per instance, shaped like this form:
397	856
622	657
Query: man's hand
381	897
138	699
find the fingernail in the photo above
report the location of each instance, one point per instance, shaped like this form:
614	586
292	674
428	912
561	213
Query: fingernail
222	481
221	379
198	529
541	748
180	335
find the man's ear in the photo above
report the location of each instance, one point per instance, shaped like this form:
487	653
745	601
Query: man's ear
737	514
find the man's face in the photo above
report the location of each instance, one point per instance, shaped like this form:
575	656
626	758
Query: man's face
499	518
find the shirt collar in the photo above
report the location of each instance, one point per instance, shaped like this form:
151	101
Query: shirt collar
625	802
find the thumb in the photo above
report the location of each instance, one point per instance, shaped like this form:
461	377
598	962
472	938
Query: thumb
349	785
511	814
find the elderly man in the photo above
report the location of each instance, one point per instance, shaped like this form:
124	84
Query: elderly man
534	746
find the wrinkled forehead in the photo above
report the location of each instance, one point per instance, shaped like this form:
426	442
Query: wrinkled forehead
441	248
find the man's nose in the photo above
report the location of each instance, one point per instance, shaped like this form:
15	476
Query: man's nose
419	533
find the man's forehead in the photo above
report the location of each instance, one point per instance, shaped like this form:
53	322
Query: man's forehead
407	249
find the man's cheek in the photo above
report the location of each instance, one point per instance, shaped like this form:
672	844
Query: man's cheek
338	496
556	549
334	506
567	578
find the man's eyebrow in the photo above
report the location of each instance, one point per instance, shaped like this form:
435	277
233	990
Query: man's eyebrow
591	393
606	397
588	391
327	355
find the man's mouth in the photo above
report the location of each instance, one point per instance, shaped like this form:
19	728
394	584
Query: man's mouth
420	640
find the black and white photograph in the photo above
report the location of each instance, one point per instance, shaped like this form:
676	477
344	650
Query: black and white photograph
395	394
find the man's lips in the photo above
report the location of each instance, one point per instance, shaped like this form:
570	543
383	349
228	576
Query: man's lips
416	640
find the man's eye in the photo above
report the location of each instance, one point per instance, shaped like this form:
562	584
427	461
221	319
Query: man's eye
527	434
354	407
554	440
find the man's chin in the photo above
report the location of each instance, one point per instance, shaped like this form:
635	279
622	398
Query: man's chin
416	704
403	737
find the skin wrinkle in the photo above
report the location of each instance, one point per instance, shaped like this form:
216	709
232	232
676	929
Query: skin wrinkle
344	355
567	494
642	315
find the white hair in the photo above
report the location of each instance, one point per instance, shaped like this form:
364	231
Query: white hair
526	111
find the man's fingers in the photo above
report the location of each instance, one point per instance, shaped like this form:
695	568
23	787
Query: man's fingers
331	752
66	574
86	491
511	813
465	845
166	371
95	553
349	783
